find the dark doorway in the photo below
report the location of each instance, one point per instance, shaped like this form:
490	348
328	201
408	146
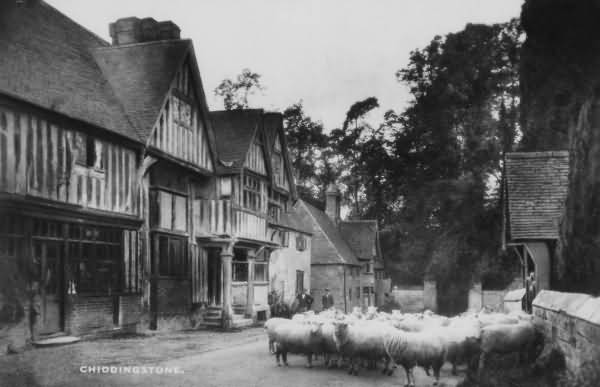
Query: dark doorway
214	276
48	259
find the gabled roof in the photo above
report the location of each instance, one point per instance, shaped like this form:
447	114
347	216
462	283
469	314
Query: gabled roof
47	60
273	128
234	132
536	186
141	75
293	220
362	236
328	245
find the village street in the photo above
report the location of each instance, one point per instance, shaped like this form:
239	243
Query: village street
204	359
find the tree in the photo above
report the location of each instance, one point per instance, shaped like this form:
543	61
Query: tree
235	93
306	141
447	148
561	79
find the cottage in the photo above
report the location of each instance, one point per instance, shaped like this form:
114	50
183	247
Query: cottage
346	257
252	215
535	190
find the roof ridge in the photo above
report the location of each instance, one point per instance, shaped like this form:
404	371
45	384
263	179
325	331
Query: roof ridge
327	236
537	154
118	46
72	21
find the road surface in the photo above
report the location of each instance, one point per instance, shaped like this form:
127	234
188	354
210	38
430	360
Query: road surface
238	362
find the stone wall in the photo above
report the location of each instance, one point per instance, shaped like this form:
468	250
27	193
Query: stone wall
572	322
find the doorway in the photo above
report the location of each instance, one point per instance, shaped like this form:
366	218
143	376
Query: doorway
49	261
214	276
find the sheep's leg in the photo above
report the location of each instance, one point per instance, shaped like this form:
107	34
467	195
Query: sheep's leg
271	347
309	360
407	370
284	355
436	373
412	377
277	356
454	368
481	363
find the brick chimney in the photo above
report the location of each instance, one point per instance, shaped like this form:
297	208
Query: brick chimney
135	30
333	201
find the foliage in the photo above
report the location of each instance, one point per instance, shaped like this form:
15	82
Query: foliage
561	72
306	141
235	93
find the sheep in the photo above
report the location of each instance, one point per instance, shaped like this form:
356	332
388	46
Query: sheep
521	338
298	338
409	349
361	340
462	340
269	327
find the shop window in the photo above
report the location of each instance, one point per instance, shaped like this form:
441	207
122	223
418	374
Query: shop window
172	256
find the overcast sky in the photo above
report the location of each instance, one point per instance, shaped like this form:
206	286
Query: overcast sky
328	53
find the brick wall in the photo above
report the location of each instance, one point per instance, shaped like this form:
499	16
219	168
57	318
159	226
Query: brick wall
88	314
331	277
130	310
572	322
173	296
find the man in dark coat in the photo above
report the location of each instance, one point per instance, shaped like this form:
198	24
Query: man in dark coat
305	301
327	300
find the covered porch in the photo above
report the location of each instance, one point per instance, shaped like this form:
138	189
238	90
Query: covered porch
235	286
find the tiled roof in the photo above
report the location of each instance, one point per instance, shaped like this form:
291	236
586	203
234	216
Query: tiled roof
47	60
536	189
361	235
293	220
140	75
234	131
328	245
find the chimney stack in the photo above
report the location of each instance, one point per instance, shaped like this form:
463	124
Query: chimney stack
135	30
333	201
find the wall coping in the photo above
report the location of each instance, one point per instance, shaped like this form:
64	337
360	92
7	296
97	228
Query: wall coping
578	305
515	295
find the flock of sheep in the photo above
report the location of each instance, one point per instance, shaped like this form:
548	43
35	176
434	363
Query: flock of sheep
422	339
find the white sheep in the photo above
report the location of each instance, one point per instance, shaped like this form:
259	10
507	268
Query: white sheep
361	340
269	327
410	349
297	338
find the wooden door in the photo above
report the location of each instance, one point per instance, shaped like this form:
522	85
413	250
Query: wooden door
214	277
49	259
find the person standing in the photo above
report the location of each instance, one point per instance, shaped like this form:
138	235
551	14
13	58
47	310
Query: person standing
304	301
327	300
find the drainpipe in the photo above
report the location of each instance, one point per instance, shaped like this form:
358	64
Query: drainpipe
345	295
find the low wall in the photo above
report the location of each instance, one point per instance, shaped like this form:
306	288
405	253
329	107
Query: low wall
410	299
572	322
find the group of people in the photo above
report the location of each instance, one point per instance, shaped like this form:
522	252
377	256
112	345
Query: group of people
302	303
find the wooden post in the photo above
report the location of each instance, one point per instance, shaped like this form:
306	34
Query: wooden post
250	293
226	258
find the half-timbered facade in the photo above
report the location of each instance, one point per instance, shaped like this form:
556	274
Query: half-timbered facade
125	202
254	201
69	162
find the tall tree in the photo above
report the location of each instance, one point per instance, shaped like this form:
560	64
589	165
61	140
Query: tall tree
306	141
235	93
449	144
561	79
